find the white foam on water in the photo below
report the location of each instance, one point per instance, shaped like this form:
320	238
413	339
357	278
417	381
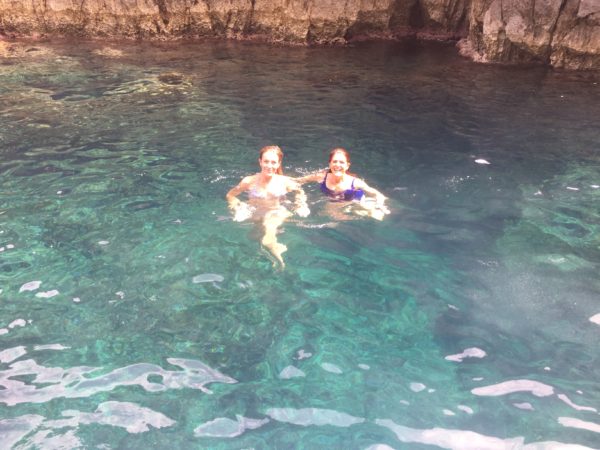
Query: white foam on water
465	408
568	401
472	352
525	406
17	323
331	368
482	161
581	424
301	354
30	286
52	439
417	387
449	439
595	319
134	418
571	188
313	416
51	347
228	428
291	372
3	331
508	387
103	242
364	366
47	294
207	278
453	439
10	354
74	382
15	429
447	412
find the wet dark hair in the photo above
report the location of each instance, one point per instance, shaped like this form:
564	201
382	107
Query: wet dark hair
278	151
341	150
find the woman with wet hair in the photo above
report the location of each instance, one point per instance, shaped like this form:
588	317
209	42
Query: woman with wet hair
339	185
266	191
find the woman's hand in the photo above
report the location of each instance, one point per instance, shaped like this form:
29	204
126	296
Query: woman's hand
241	211
303	210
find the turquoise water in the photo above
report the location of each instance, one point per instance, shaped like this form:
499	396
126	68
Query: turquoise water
135	314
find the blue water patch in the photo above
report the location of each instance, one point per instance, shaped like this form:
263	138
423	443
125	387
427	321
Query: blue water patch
135	313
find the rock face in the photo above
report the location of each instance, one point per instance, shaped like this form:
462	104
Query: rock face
562	33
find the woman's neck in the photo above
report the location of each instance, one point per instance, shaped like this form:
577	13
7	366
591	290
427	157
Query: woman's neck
264	178
336	179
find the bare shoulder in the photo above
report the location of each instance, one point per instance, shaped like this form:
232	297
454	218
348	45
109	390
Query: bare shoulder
359	183
247	181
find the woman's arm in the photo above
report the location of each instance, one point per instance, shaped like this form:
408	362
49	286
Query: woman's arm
314	177
242	186
379	197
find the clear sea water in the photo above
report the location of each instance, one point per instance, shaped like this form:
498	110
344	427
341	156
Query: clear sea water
134	313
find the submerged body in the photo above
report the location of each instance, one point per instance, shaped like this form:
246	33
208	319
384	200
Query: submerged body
338	185
266	191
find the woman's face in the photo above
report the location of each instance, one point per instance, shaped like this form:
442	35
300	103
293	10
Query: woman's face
339	164
269	162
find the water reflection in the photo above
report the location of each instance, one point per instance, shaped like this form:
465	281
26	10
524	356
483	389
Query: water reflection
468	318
75	382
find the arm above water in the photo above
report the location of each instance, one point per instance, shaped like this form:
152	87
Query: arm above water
241	210
379	197
231	196
378	209
315	177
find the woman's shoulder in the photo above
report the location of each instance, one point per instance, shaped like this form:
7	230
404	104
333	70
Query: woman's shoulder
358	182
248	180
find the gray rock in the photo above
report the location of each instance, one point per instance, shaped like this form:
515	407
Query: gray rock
561	33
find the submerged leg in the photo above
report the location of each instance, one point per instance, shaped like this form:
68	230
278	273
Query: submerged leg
271	223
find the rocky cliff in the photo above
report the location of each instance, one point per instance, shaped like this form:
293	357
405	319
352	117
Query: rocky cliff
562	33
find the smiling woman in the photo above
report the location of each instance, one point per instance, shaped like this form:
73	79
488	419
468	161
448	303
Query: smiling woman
339	185
266	190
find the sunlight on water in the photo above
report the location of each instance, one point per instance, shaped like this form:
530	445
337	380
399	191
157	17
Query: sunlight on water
135	313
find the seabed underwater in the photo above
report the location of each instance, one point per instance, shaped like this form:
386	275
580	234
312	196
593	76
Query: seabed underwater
134	313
